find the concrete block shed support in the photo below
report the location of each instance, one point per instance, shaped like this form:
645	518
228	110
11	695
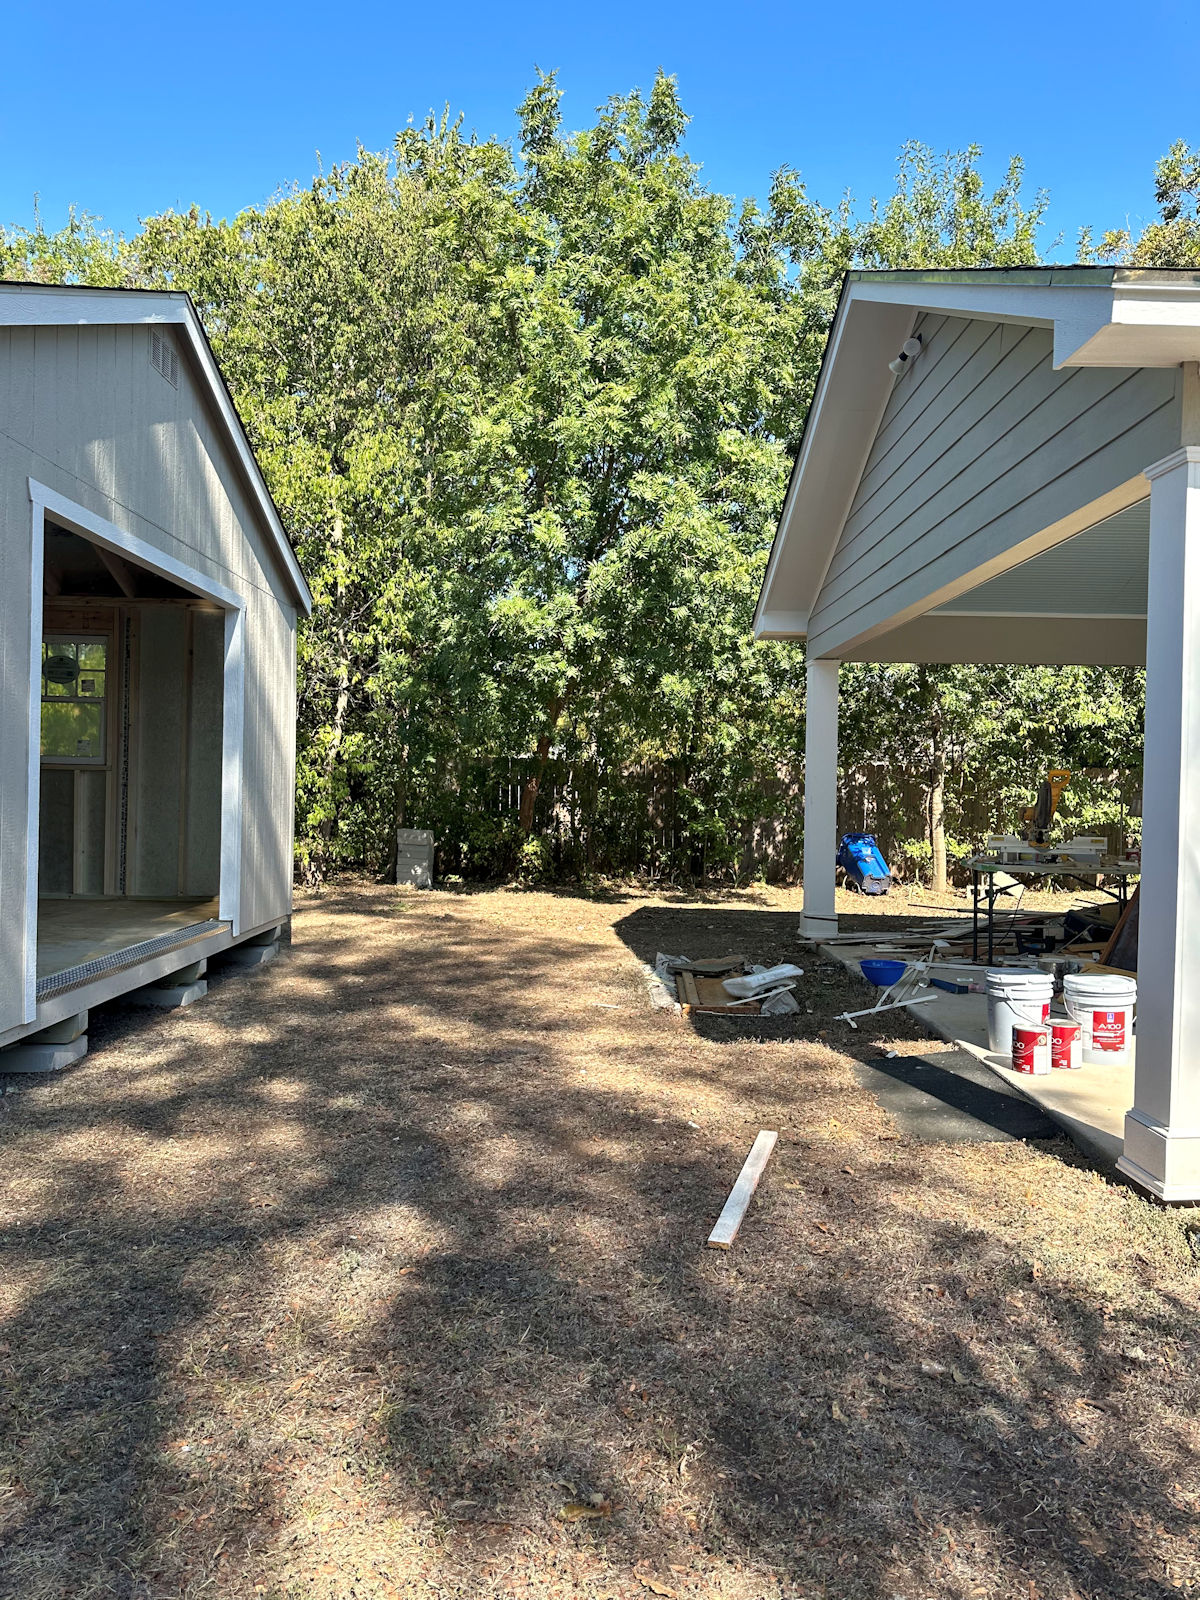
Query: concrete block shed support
255	951
183	987
50	1049
819	918
1162	1131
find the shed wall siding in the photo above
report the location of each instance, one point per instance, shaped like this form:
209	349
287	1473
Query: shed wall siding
268	763
84	412
982	445
102	427
175	766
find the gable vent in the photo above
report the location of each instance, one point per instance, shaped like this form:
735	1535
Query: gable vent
163	358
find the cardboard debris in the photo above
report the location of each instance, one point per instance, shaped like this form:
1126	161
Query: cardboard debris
698	985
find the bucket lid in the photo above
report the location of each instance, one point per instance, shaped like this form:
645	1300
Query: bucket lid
1097	983
1018	978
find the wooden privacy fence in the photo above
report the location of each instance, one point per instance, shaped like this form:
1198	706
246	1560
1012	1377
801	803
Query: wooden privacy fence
649	820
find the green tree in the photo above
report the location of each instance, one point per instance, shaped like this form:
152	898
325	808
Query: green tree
1173	239
529	414
81	251
646	467
358	324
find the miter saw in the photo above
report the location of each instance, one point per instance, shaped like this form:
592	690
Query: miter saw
1036	819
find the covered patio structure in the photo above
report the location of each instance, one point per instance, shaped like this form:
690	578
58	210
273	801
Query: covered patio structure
1004	466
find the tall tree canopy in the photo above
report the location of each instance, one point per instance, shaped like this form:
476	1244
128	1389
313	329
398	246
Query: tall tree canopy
528	413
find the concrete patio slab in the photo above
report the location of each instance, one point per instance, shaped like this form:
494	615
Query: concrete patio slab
951	1098
1088	1105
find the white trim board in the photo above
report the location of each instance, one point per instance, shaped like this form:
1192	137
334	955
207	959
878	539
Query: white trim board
33	776
42	305
116	539
109	536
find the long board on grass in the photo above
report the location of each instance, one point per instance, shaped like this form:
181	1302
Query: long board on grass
742	1192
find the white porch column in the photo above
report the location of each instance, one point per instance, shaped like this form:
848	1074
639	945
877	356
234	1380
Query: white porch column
1162	1132
819	918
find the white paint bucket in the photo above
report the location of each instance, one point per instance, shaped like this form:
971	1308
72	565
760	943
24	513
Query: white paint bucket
1016	998
1103	1006
1031	1050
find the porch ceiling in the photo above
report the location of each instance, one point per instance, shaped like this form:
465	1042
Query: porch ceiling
1102	572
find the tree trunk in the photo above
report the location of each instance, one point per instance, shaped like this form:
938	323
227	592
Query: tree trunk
319	859
387	869
529	792
937	821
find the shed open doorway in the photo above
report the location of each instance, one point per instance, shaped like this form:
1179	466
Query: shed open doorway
132	705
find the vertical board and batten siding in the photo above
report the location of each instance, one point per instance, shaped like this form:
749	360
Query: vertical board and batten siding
981	446
175	767
268	762
83	411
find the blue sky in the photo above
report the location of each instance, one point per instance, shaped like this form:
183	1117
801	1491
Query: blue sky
127	109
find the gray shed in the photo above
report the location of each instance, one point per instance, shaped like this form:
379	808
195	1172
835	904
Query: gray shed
148	607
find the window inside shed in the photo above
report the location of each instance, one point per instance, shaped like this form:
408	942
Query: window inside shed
74	699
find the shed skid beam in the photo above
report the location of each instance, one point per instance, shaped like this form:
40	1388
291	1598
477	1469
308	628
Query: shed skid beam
819	919
1162	1131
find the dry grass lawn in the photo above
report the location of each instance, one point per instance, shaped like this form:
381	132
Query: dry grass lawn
381	1273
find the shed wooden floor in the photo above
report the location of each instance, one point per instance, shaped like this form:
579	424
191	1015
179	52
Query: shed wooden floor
71	932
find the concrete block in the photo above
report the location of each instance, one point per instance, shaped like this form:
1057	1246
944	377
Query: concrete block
65	1031
251	955
267	936
182	976
43	1057
165	998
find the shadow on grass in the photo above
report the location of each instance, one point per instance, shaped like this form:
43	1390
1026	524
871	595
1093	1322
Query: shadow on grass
344	1284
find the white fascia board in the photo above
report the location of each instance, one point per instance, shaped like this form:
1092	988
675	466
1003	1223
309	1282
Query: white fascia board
1077	312
997	302
1150	325
852	392
38	305
780	624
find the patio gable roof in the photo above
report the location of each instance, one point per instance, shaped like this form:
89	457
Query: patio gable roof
1038	397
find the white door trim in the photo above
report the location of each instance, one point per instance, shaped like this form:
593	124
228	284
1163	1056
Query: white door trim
111	537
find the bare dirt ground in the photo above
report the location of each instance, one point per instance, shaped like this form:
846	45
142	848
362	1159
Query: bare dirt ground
381	1272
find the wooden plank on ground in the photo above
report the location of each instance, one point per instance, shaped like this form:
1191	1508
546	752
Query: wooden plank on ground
685	987
714	966
698	993
742	1192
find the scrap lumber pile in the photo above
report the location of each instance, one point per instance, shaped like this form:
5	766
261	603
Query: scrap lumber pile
944	956
728	984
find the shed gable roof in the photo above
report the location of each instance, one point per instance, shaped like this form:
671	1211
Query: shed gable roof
46	305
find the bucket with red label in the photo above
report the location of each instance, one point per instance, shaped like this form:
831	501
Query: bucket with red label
1066	1047
1031	1050
1016	998
1103	1005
